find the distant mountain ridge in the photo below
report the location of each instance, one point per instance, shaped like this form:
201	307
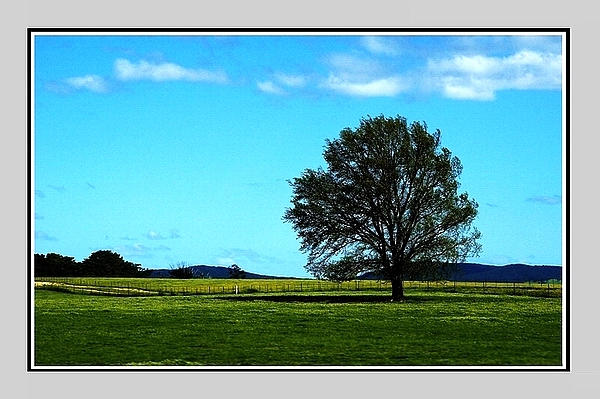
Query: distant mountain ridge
512	273
213	272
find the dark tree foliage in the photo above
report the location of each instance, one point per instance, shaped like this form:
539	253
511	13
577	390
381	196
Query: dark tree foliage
99	264
106	263
236	272
387	203
55	265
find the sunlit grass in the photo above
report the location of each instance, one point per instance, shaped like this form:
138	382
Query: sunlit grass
297	329
170	286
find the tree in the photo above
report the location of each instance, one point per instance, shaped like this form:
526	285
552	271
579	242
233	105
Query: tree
387	203
236	272
55	265
105	263
182	270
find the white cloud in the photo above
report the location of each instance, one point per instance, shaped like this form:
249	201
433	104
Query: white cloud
382	87
243	256
539	43
139	250
379	45
469	64
93	83
353	65
480	77
270	87
125	70
282	79
467	89
154	235
356	76
291	80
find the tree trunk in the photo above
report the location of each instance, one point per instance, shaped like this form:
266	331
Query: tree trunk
397	290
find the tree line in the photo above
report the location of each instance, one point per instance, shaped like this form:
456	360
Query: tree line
103	263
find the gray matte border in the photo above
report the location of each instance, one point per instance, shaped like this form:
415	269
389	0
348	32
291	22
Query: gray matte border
65	13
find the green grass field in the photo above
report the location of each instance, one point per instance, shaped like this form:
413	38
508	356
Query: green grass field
331	328
170	286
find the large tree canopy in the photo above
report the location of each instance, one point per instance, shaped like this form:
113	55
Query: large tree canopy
105	263
388	203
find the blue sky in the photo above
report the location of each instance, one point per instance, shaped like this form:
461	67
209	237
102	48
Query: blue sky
177	148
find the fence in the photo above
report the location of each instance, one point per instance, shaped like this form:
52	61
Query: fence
531	288
146	287
162	287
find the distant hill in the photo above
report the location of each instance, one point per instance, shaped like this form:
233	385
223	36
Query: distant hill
513	273
508	273
476	272
213	272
